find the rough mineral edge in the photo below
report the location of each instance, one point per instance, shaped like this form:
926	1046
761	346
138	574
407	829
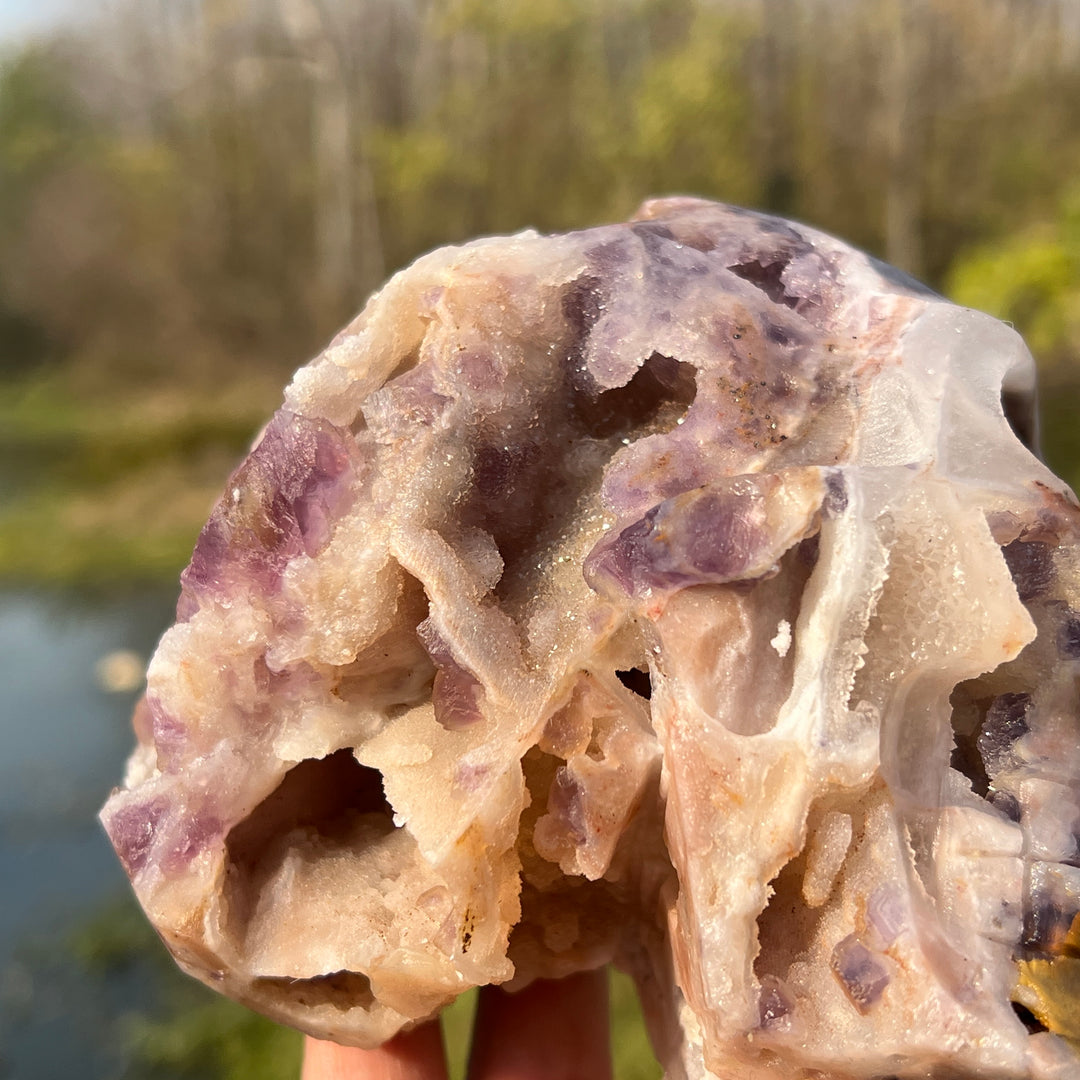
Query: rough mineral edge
475	677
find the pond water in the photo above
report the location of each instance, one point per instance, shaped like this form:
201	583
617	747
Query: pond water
63	741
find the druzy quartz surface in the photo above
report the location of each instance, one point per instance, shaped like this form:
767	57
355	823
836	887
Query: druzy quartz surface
679	593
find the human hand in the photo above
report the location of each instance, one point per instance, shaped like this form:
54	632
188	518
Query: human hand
552	1030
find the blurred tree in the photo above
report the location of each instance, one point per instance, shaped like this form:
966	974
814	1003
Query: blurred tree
1031	278
203	190
694	114
41	132
347	234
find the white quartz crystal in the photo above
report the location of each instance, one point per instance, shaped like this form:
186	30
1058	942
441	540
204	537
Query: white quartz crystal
678	593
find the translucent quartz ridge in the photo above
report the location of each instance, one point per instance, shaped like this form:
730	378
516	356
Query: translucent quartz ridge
678	593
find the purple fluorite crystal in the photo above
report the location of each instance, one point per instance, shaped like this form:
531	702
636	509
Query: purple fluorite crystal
672	593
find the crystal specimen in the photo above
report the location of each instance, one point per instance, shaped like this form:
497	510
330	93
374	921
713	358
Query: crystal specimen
680	593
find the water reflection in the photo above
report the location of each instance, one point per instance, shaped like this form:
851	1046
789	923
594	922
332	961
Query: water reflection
63	742
86	989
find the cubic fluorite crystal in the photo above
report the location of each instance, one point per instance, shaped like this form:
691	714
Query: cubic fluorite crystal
678	593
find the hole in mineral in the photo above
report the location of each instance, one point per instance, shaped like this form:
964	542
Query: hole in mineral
324	804
343	990
395	672
766	274
1028	1018
636	681
787	926
653	401
987	726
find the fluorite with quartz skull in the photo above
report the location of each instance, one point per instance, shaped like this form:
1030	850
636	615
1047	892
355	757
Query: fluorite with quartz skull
674	593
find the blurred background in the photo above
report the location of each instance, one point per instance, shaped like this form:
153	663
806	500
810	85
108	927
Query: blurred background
194	194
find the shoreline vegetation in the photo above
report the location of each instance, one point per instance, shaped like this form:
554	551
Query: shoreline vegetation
108	491
197	196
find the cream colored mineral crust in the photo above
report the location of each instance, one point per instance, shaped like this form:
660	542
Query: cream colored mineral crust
678	593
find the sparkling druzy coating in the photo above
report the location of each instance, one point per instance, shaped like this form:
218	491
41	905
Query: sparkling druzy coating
675	593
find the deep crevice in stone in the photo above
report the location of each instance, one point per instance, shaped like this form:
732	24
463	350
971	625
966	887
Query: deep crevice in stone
568	922
319	793
636	681
394	672
986	722
322	795
343	990
652	402
1028	1018
578	911
786	926
970	703
766	275
523	499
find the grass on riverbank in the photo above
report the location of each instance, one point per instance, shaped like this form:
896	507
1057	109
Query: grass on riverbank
110	490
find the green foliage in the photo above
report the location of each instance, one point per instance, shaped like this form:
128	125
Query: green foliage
1060	433
693	114
41	132
215	1040
1032	279
186	231
41	123
114	936
457	1024
85	476
185	1032
632	1054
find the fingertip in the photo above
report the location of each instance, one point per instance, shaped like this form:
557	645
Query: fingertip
551	1030
413	1055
